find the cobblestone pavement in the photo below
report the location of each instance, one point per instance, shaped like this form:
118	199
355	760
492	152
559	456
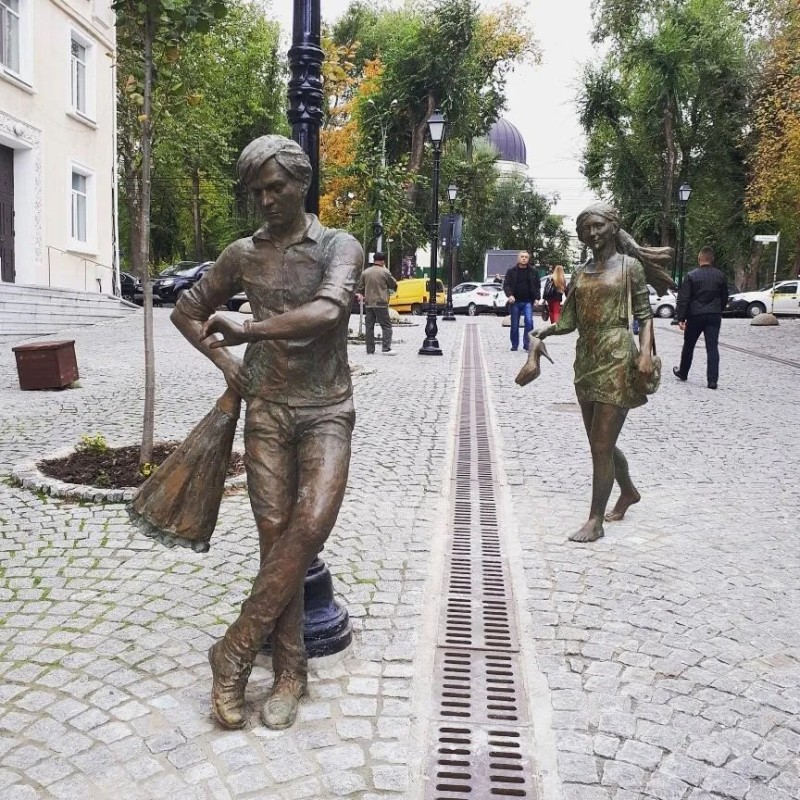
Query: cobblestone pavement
663	661
671	648
104	683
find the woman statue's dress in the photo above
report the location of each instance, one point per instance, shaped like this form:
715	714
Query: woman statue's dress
605	355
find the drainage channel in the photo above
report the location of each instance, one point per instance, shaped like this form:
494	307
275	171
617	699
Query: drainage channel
480	738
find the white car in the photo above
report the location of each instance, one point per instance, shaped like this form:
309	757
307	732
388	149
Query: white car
473	298
663	305
785	296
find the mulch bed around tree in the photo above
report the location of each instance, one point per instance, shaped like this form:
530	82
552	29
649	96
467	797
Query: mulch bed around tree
116	468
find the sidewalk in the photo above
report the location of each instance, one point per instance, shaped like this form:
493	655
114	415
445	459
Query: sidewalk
662	661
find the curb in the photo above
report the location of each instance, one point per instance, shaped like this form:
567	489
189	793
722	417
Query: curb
29	476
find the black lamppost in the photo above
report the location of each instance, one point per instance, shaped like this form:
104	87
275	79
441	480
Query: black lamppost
452	192
683	198
326	625
436	125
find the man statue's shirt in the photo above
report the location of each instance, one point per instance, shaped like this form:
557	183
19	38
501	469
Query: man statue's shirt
322	263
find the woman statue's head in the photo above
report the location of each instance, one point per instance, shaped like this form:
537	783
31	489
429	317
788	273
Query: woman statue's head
597	219
601	220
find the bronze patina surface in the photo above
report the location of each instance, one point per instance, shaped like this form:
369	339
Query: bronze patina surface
609	369
299	278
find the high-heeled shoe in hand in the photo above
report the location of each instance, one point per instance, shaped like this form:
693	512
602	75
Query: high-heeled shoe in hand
531	369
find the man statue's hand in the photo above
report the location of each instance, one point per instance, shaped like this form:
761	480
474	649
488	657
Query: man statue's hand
236	375
232	332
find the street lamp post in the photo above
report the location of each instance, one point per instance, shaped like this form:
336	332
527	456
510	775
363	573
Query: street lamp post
326	624
436	126
382	124
452	192
683	199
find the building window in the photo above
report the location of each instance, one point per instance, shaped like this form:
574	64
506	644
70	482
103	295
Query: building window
79	75
10	34
80	207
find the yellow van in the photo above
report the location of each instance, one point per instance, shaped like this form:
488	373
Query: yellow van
412	295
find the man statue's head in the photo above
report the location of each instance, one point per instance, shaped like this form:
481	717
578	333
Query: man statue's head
379	260
278	173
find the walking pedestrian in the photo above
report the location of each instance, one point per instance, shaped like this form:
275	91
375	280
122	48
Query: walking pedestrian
522	287
375	286
701	300
555	287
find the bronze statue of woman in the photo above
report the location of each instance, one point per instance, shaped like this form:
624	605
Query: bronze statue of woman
610	372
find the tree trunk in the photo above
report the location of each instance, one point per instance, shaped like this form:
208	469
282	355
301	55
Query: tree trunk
796	261
148	421
196	216
669	179
747	273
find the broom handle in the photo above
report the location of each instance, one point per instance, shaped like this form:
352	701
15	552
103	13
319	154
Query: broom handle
230	403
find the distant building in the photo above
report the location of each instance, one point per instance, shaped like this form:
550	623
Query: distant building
510	146
57	119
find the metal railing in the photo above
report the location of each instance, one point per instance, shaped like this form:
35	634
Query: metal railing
85	263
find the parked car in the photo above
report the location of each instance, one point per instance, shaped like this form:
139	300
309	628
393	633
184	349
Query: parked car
662	305
412	295
130	289
782	299
177	267
236	302
474	298
171	287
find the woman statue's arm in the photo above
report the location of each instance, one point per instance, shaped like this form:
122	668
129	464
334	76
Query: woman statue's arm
567	322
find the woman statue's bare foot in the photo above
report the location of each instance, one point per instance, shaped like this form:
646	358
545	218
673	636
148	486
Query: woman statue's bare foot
590	532
622	505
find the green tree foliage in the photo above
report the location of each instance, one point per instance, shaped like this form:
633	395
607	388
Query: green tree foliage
223	88
445	54
670	103
773	193
150	32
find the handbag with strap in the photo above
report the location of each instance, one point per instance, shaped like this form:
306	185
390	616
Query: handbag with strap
652	381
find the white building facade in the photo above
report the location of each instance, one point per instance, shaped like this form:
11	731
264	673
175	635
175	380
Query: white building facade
57	118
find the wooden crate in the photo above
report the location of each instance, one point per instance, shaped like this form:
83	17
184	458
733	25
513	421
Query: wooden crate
46	365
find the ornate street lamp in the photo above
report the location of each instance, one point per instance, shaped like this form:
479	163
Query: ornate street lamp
683	198
436	126
452	192
326	625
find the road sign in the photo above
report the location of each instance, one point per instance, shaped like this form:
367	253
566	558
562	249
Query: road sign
767	239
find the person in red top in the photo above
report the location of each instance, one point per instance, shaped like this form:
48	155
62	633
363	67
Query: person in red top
555	287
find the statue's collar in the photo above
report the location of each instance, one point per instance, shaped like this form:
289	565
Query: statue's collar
313	231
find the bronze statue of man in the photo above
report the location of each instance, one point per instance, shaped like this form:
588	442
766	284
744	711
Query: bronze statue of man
299	278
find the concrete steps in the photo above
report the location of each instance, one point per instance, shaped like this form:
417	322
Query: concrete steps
28	311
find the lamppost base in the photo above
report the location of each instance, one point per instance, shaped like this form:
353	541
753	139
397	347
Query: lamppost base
326	624
430	347
449	316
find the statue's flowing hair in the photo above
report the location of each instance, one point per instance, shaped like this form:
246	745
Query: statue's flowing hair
655	260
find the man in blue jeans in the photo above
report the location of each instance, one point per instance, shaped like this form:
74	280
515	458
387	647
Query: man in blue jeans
521	287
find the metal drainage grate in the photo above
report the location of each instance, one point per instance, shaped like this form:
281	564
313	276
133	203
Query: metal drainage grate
479	746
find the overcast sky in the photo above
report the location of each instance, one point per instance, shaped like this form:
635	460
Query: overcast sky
541	98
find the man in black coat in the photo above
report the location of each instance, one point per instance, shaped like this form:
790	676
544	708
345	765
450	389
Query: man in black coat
701	300
522	288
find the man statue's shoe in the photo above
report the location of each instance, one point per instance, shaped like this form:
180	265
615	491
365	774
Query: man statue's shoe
227	690
280	709
712	385
677	373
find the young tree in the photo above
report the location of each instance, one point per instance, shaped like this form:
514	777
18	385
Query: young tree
155	29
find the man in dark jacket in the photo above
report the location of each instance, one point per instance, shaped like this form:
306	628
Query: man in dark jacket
701	300
521	287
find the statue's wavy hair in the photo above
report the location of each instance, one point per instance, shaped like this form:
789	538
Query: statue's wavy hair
285	151
655	260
